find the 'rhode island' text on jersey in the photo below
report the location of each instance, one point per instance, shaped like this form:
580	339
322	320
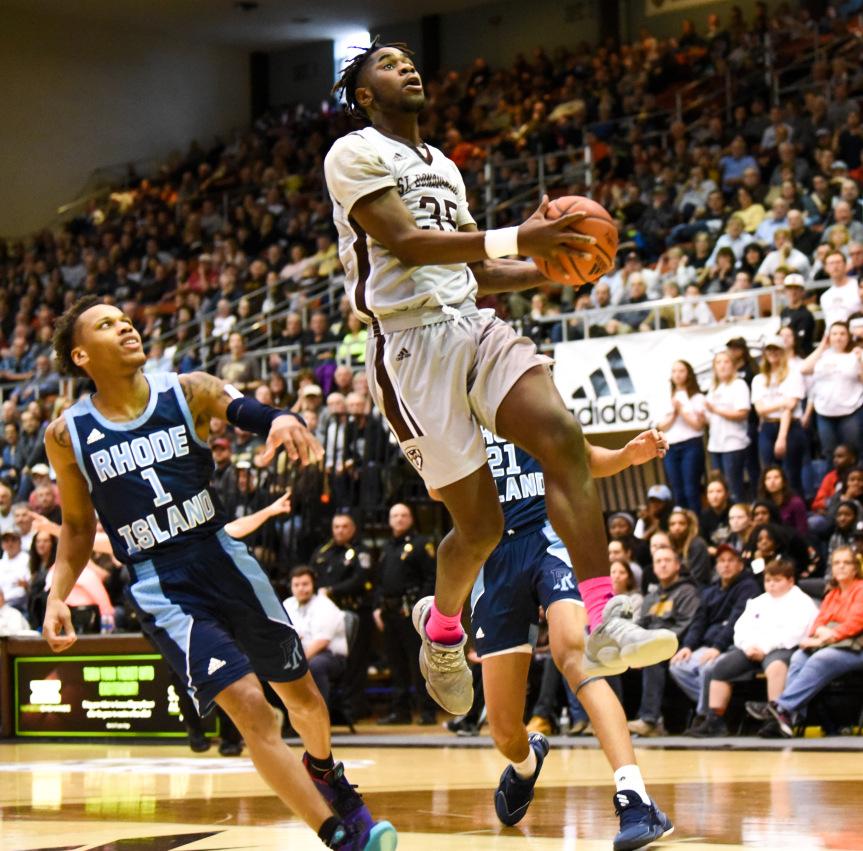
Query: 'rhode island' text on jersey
520	483
431	187
148	477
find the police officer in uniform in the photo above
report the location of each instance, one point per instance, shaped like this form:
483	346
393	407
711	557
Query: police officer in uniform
344	570
406	573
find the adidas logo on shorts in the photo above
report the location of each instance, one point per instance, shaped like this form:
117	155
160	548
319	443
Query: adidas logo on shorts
480	633
404	353
215	665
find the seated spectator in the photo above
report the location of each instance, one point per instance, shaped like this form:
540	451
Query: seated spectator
739	526
769	541
237	367
620	551
653	515
845	529
777	395
43	553
775	221
741	308
694	311
728	406
734	239
831	649
720	276
773	487
713	520
321	627
844	459
628	321
683	425
690	547
44	384
712	629
353	346
224	320
14	570
671	606
784	255
837	388
765	636
12	620
624	581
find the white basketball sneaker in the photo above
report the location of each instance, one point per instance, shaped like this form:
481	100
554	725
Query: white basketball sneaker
618	639
444	667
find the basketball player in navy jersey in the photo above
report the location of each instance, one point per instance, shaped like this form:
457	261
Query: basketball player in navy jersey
529	568
439	368
136	451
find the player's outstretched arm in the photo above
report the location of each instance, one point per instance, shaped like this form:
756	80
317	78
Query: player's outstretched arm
243	526
76	535
208	396
644	447
385	218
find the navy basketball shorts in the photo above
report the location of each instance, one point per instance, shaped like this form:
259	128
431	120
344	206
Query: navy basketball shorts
214	616
528	570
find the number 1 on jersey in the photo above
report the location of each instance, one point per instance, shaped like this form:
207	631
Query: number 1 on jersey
162	498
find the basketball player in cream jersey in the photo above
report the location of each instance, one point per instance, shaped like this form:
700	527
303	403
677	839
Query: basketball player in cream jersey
440	369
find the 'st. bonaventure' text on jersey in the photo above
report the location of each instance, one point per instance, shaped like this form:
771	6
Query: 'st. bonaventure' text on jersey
431	187
519	480
148	477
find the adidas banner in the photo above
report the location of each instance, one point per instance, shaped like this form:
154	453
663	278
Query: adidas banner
622	383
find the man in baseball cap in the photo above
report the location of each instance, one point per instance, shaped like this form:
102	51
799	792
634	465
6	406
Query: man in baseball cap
795	315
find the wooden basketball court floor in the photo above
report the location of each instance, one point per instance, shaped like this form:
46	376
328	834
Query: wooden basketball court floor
119	797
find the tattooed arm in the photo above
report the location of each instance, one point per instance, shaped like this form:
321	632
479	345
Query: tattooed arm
76	534
209	396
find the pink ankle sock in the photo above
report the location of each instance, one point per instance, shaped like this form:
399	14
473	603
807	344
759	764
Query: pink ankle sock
444	629
596	593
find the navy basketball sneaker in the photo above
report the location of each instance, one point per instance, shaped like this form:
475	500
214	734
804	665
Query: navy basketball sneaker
341	795
640	823
514	793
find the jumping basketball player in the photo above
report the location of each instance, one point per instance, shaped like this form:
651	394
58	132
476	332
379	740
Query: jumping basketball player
530	568
439	368
136	452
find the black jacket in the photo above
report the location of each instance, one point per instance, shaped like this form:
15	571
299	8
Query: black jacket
713	624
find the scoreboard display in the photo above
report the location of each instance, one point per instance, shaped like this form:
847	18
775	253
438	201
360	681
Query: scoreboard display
92	696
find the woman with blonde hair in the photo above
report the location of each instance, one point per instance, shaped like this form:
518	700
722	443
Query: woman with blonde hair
728	404
690	547
777	395
684	429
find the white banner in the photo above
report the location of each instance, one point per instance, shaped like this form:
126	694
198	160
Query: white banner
622	383
661	7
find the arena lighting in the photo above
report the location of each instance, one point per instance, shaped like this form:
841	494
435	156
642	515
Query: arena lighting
344	46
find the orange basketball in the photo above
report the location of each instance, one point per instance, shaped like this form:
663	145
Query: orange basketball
571	269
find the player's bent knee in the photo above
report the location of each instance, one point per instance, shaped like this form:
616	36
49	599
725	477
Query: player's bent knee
561	439
249	709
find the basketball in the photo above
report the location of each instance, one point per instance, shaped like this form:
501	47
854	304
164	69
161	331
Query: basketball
571	269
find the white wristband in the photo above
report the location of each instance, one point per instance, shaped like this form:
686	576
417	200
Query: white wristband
502	242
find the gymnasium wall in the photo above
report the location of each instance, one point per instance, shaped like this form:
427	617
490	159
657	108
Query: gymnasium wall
75	98
301	73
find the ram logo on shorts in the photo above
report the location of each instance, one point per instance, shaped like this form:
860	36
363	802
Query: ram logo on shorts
563	580
414	456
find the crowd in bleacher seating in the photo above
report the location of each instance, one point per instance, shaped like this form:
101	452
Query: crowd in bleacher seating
224	252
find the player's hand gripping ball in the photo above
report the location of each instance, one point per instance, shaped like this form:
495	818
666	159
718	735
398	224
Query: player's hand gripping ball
573	269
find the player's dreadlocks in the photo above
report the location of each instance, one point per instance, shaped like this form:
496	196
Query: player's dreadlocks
347	83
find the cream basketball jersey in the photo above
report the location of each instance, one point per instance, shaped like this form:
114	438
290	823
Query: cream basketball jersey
432	189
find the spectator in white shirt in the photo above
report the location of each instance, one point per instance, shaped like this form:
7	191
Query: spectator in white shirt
321	627
683	425
693	311
837	388
785	254
735	238
727	405
741	308
12	622
14	570
224	321
842	298
765	637
777	395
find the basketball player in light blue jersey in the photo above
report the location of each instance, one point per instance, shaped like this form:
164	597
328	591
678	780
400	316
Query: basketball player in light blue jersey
136	454
529	568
